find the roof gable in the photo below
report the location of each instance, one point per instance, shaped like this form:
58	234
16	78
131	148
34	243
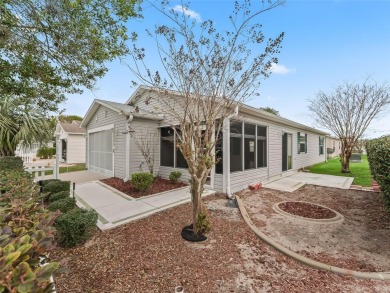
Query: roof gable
73	127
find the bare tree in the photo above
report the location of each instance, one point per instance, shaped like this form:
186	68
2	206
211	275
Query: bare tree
207	73
146	144
348	110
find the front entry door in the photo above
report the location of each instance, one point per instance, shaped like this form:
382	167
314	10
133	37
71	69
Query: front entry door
286	151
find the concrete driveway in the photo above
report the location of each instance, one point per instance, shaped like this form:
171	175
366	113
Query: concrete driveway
295	181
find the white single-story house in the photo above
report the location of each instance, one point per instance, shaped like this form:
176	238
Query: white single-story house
72	143
256	147
334	144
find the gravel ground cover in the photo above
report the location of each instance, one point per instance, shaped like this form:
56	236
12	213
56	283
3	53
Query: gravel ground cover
359	242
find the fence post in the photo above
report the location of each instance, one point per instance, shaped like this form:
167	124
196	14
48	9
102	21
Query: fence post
57	163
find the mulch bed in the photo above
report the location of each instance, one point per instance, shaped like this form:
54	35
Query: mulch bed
306	210
159	185
149	255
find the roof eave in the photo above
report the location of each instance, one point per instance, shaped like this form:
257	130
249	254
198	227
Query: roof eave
269	116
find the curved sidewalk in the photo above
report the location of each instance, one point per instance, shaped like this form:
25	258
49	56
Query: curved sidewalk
116	208
303	259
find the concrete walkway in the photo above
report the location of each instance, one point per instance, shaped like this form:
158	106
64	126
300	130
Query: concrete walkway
116	208
297	180
79	176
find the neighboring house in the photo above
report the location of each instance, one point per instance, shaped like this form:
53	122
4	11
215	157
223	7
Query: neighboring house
270	147
72	143
333	143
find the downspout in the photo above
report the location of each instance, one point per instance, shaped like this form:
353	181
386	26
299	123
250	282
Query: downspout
129	119
226	156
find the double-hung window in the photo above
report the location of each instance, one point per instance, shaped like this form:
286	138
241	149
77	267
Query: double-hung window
302	143
321	145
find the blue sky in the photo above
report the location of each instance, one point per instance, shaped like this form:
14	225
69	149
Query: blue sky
326	43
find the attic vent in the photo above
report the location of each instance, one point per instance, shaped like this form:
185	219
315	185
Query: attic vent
96	117
105	114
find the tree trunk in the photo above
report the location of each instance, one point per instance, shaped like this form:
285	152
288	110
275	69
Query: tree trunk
196	202
6	152
345	161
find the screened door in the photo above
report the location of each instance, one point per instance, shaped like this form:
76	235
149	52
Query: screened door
100	152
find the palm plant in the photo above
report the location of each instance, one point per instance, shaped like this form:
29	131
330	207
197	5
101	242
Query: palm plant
20	124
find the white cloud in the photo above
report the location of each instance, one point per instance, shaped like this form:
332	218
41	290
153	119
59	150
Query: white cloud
190	13
281	69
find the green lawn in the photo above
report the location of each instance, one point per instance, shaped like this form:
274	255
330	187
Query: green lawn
77	167
360	171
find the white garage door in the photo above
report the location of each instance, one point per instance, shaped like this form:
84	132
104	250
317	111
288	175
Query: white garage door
100	152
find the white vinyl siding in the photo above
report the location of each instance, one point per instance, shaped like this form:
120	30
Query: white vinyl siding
141	129
165	171
76	148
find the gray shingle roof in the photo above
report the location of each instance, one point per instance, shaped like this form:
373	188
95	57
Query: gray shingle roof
73	127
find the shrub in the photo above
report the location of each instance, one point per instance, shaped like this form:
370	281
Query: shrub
75	226
26	236
59	195
46	152
16	185
11	163
203	225
174	176
378	155
47	181
57	186
63	205
142	181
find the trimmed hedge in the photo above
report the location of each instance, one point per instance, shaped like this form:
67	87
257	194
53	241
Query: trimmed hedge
59	195
56	186
10	163
75	226
142	181
47	181
378	155
63	205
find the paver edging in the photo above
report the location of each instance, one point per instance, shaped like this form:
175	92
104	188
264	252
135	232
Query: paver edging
337	219
307	261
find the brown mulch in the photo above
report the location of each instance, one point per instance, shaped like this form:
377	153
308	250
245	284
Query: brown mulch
159	185
149	255
306	210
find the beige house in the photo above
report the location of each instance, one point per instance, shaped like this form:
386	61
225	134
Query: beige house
333	143
257	146
72	143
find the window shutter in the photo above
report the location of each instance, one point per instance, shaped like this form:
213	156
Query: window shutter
299	142
305	142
